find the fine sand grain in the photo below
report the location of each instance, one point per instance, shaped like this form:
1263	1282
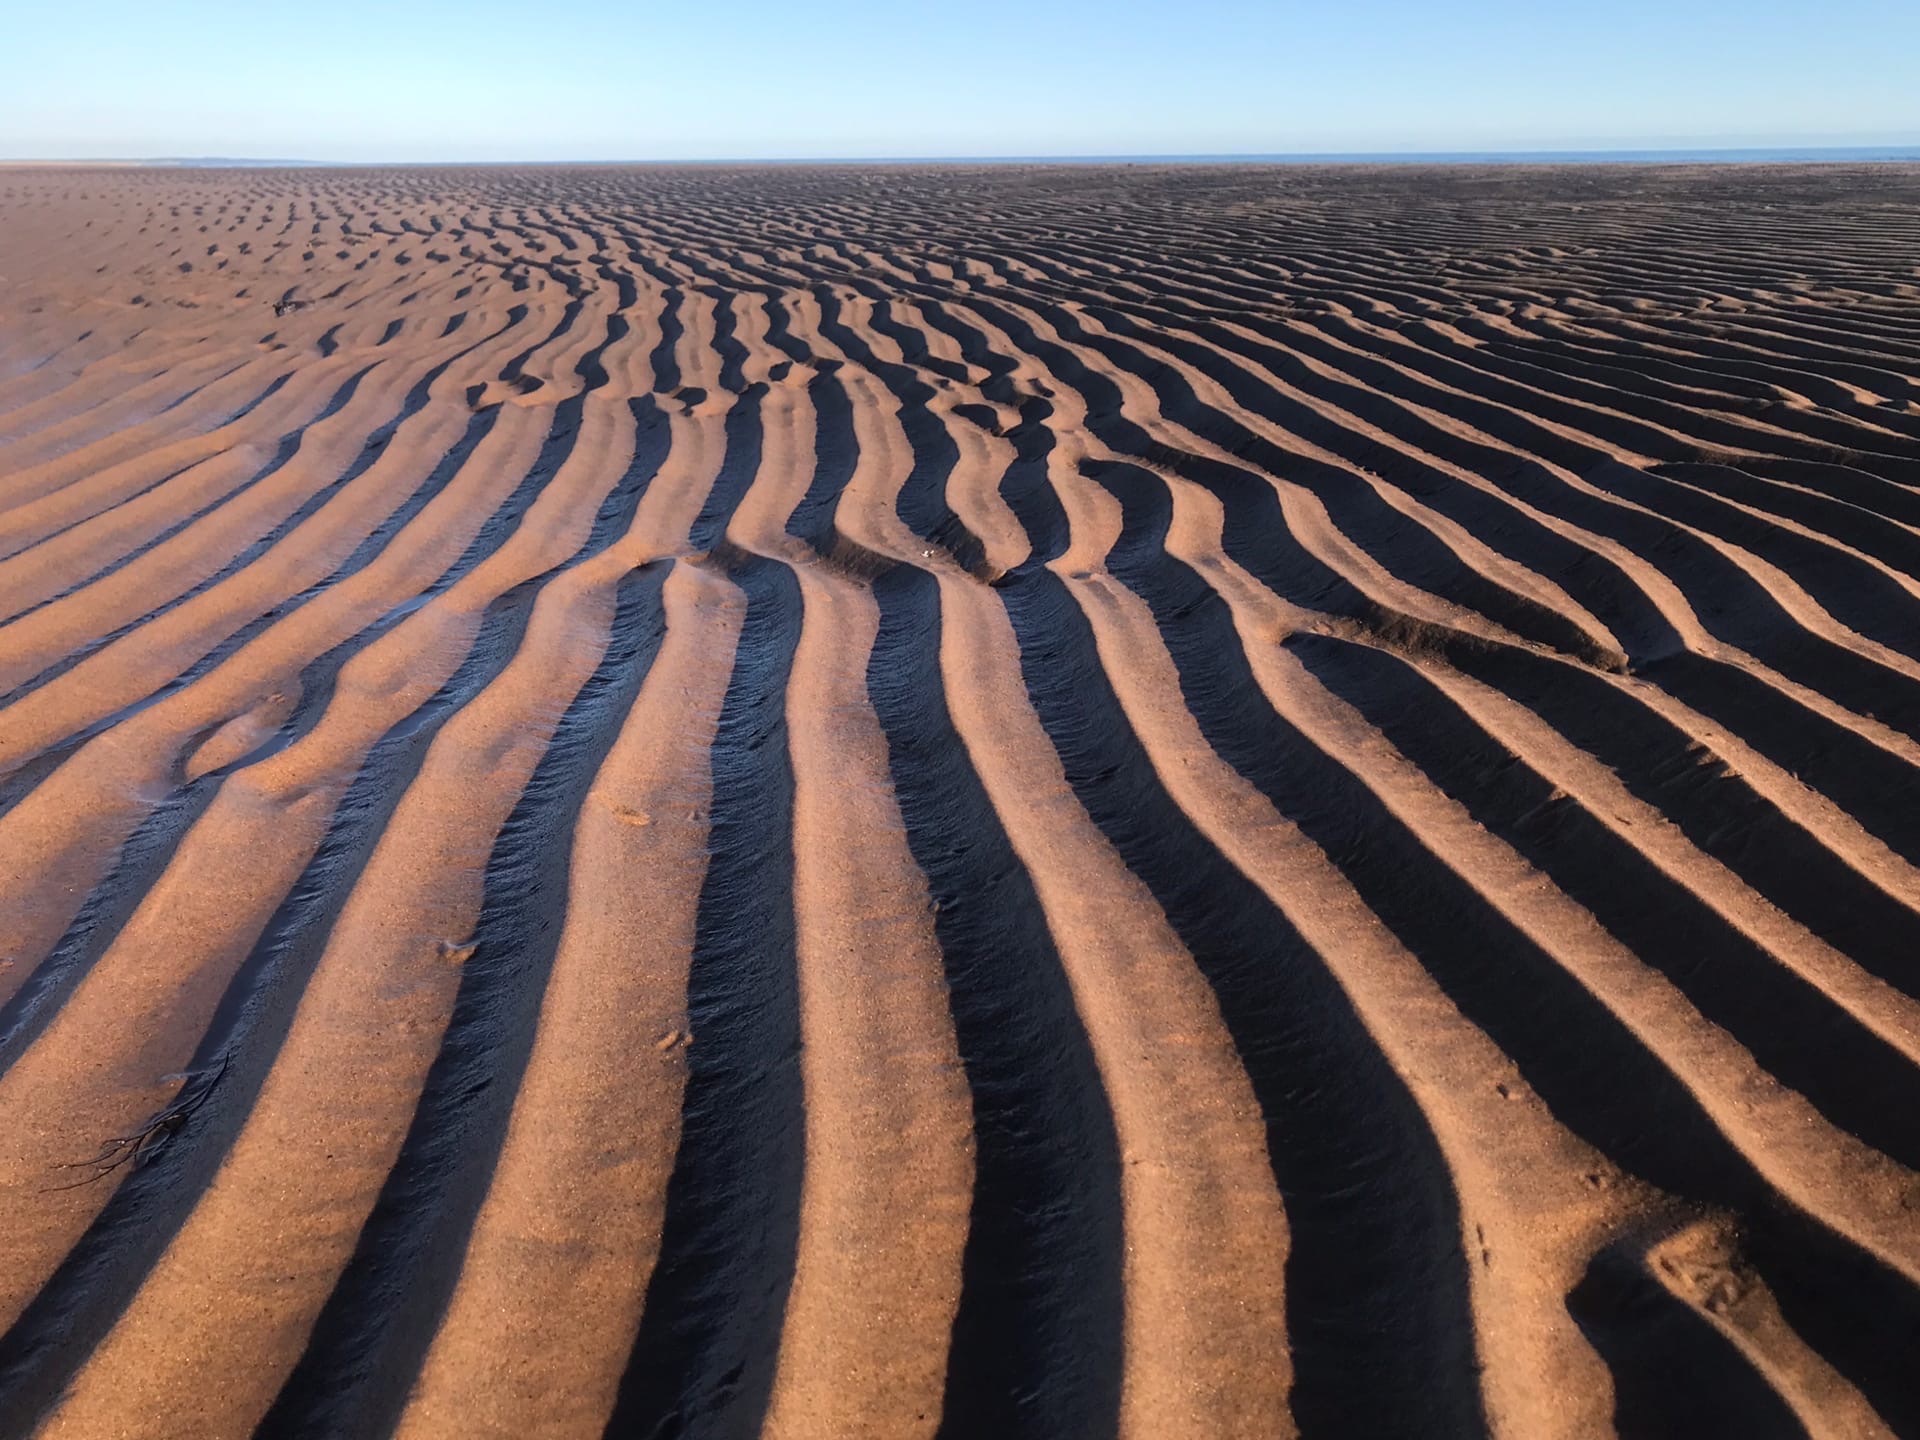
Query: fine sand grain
1016	802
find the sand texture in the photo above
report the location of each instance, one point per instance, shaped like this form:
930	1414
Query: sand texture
1002	802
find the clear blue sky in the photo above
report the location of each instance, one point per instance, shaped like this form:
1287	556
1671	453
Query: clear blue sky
594	79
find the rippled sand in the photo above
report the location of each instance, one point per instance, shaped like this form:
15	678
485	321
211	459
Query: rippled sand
1004	802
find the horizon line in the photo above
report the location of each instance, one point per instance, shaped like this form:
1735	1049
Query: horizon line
1890	151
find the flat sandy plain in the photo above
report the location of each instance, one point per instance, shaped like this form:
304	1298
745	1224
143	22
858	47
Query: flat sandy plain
998	802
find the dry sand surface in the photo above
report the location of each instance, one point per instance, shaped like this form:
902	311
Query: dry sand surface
999	802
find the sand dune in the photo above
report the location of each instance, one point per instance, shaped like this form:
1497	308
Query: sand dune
1005	802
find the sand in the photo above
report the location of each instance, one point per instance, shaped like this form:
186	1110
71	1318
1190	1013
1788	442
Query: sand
986	802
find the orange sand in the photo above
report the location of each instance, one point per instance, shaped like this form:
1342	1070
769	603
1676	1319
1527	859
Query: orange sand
1005	802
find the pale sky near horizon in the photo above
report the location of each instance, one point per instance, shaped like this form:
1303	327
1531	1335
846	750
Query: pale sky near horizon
354	80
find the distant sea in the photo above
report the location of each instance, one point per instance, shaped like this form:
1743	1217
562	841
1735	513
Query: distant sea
1788	155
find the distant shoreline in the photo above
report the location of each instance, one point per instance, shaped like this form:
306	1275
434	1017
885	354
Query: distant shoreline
1738	155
